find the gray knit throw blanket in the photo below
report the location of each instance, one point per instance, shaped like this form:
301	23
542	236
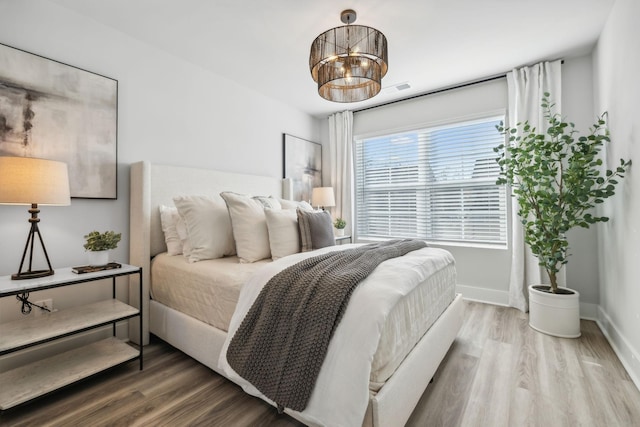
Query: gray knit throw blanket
282	342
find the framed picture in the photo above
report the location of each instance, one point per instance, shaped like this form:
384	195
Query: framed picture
303	165
55	111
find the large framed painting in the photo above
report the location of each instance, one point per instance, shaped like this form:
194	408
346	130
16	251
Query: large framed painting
55	111
303	165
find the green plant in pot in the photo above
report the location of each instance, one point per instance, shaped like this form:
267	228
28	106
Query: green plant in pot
339	225
99	244
557	179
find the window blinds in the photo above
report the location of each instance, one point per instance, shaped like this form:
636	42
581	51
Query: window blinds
436	184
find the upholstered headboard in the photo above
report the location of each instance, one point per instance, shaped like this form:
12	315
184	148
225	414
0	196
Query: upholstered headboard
153	185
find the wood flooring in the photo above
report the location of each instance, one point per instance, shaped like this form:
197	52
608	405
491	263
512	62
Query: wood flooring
499	372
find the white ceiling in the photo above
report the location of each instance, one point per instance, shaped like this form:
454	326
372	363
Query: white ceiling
264	44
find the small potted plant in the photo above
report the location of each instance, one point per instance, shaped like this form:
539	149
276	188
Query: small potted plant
557	179
339	224
99	244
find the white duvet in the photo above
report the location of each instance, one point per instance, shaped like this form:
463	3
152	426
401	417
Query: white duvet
341	392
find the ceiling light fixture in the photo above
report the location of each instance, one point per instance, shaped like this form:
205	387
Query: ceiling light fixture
348	62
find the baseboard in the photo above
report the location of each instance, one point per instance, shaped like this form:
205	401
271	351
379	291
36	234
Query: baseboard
489	296
588	311
628	355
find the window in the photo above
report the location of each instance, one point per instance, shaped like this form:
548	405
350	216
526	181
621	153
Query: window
436	184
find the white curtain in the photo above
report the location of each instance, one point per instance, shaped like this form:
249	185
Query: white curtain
341	165
527	86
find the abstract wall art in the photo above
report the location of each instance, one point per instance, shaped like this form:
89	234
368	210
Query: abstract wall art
303	165
55	111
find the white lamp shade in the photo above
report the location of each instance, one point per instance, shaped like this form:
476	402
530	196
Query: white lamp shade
323	196
25	181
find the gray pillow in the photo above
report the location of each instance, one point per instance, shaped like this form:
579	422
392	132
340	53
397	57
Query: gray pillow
316	229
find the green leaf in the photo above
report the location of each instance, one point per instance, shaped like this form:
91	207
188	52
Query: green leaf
555	177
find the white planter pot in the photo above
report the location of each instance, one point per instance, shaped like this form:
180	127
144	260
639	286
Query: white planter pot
98	258
555	314
338	232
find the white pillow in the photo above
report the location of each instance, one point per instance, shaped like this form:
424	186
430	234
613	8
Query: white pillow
290	204
284	236
208	227
249	226
181	228
268	202
169	217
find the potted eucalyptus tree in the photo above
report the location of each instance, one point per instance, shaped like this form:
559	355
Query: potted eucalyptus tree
557	179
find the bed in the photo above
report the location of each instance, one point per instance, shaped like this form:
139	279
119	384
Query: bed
390	401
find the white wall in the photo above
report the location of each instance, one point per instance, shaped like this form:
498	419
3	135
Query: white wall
577	107
483	274
616	64
169	111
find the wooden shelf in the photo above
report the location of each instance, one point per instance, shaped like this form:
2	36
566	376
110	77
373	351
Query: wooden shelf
36	379
31	330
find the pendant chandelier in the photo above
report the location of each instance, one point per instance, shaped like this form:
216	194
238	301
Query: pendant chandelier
348	62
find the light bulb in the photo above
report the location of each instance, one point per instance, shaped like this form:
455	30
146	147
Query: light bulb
347	75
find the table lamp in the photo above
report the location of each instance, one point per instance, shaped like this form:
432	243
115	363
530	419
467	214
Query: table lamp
323	197
29	181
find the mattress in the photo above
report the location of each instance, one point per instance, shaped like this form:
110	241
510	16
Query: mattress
209	290
206	290
410	319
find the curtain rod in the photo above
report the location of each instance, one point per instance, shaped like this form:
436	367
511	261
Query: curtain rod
433	92
444	89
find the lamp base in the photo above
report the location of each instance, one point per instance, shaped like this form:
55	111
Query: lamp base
31	274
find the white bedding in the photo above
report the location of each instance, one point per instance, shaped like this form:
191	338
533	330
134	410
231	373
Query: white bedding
341	393
408	321
209	290
205	290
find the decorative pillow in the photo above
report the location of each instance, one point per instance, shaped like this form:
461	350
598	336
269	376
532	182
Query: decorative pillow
169	217
268	202
284	237
316	229
208	227
181	228
290	204
249	226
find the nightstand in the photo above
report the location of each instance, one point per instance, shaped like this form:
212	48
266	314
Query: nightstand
35	379
343	239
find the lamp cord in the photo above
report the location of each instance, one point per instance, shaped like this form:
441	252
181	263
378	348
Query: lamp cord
28	305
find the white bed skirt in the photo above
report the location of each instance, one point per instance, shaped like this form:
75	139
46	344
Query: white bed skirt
199	340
